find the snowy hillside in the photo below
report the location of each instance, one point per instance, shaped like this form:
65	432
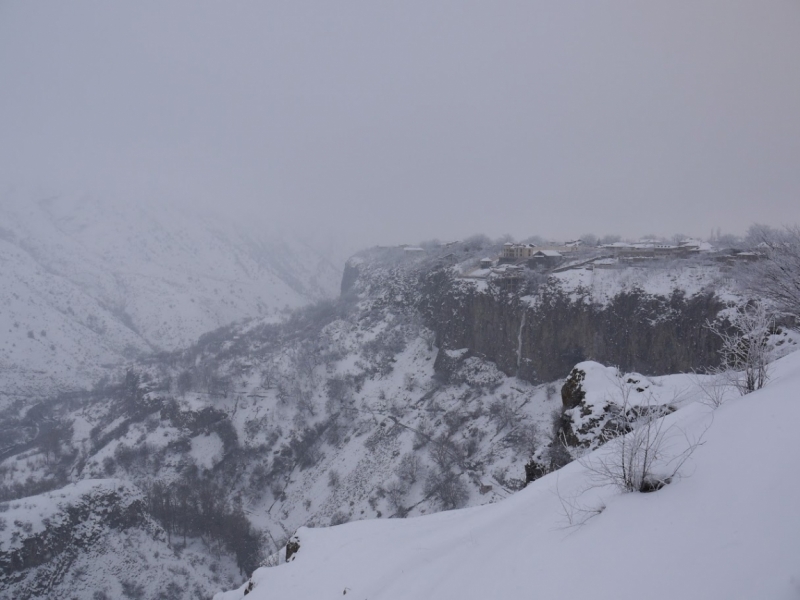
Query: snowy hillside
91	540
86	284
726	528
384	403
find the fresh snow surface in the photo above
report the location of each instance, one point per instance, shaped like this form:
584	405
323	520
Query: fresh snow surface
603	284
727	528
206	450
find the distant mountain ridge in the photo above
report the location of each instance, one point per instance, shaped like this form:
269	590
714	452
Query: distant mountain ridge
86	283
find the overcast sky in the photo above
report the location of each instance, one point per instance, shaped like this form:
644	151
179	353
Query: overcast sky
403	121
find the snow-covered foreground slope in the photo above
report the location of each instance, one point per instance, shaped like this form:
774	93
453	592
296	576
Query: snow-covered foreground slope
727	528
86	283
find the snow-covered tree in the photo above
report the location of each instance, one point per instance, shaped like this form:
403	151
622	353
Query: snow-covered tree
745	351
777	277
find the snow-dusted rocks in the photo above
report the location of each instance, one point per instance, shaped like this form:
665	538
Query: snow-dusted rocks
600	402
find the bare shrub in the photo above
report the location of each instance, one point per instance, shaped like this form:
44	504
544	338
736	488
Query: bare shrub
714	388
334	481
443	453
409	468
746	350
422	435
133	590
336	430
523	439
395	494
340	394
645	459
339	518
447	488
502	413
575	510
776	277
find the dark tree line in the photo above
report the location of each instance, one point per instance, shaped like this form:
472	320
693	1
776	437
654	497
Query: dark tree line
197	507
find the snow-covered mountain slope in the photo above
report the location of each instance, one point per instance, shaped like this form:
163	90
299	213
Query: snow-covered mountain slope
86	283
95	539
727	528
360	408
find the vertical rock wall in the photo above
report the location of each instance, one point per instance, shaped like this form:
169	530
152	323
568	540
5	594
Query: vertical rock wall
542	342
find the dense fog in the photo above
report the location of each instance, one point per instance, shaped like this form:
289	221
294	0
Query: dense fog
395	124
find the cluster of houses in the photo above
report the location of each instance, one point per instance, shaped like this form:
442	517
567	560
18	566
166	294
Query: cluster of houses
552	255
507	270
536	256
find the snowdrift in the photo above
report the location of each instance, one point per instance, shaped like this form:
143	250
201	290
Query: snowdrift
727	528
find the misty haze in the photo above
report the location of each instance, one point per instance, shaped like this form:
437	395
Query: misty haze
419	300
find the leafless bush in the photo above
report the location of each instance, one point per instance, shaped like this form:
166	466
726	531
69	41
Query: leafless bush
337	429
447	488
776	277
646	458
422	435
575	510
523	439
340	394
395	494
443	452
453	420
502	413
334	480
409	468
339	518
714	388
133	590
746	350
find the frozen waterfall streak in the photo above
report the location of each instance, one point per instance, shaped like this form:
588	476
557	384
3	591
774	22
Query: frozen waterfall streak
519	340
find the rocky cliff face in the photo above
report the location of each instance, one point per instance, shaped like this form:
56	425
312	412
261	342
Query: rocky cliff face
540	338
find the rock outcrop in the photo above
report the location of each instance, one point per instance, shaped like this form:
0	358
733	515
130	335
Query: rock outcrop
542	340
